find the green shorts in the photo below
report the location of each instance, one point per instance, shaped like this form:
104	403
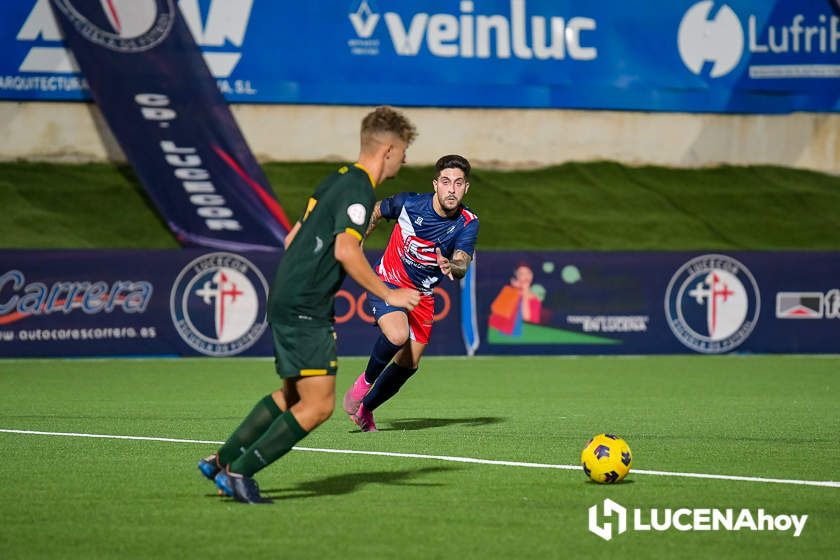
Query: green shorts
304	351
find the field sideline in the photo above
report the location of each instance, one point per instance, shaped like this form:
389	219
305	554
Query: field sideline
475	458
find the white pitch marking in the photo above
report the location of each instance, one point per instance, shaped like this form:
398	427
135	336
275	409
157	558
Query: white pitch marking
109	436
824	483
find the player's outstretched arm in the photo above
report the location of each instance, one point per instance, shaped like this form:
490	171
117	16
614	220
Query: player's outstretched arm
455	268
375	218
460	263
350	255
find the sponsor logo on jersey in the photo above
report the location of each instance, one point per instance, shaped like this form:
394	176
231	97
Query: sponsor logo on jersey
418	251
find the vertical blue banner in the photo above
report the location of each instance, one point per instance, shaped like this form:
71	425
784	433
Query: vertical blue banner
149	79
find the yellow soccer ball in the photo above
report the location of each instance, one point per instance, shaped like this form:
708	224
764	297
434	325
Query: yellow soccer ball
606	459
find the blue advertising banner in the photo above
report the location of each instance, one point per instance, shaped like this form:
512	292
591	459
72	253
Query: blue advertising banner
742	56
170	303
151	83
194	302
658	303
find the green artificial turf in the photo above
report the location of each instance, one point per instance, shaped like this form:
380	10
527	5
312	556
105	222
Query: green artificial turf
87	206
757	416
576	206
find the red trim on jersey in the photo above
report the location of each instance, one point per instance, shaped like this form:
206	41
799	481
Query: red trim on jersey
391	268
468	216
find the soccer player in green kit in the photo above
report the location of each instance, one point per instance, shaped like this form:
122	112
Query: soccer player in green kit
321	249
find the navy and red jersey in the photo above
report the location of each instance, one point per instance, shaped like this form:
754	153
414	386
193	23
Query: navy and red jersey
409	260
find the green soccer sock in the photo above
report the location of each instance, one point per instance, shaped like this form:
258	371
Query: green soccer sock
280	437
253	426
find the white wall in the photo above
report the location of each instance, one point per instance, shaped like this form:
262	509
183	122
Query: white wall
489	137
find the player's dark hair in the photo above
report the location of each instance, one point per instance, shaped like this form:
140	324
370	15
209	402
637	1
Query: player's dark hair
453	161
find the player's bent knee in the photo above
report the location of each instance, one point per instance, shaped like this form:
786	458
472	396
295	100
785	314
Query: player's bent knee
310	415
397	338
326	409
323	409
319	415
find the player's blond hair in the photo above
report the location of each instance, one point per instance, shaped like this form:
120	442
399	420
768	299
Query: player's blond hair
386	120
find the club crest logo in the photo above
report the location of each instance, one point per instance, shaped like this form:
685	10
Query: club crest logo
218	304
357	213
121	25
712	304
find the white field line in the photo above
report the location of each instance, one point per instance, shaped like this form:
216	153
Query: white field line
825	483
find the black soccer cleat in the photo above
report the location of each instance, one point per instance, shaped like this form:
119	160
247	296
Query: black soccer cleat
242	488
245	490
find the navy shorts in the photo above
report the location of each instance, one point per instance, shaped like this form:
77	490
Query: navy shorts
420	318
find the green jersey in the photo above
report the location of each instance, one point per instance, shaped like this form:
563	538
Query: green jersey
308	277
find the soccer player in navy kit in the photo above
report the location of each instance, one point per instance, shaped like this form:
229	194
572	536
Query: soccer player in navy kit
434	237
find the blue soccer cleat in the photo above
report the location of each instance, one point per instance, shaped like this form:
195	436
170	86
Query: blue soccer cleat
209	466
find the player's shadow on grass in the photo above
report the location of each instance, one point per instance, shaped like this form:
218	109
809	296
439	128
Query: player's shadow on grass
347	483
425	423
